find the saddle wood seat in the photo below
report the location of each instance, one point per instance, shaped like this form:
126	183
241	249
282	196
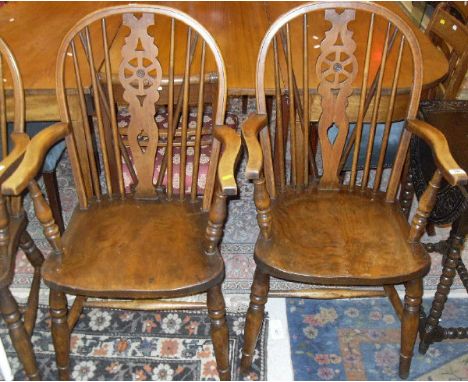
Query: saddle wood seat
165	238
368	247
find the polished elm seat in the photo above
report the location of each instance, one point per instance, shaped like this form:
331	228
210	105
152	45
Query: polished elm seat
305	247
97	255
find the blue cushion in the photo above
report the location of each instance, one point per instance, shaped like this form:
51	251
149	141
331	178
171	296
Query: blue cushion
392	147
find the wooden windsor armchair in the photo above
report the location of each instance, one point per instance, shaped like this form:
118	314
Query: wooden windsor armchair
13	223
134	248
340	230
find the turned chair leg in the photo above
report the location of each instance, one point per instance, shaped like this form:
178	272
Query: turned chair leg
60	333
410	324
18	334
219	331
255	315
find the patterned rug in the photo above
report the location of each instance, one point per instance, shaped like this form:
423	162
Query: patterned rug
237	246
360	340
116	345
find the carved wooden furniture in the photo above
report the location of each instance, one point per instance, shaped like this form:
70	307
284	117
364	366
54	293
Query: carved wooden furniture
43	25
451	119
341	230
13	222
133	249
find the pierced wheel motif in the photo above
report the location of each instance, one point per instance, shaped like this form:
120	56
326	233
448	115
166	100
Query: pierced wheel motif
338	68
141	73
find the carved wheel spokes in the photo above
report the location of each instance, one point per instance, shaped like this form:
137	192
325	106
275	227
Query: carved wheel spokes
337	71
142	74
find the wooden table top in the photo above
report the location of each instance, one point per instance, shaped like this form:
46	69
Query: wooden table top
34	31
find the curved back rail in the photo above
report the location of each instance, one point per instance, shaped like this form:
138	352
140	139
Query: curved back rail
9	74
356	77
158	56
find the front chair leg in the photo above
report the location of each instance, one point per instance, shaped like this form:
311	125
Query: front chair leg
18	334
410	324
219	331
60	333
255	315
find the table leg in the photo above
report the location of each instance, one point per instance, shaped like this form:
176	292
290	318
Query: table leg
432	331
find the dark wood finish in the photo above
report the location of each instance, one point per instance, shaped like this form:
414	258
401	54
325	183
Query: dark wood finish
340	230
13	222
53	196
143	244
450	119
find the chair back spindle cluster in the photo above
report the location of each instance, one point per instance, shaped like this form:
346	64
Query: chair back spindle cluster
350	89
154	62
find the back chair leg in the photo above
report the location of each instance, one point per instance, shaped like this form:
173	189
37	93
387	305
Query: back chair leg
18	334
219	331
60	333
255	315
410	324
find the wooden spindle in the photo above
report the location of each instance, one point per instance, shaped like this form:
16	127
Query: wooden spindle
305	108
196	154
44	215
292	110
369	96
279	119
91	161
183	148
176	113
170	115
375	112
3	113
426	204
362	98
99	116
388	120
113	113
4	231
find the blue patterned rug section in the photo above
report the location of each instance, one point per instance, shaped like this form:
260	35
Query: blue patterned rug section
360	340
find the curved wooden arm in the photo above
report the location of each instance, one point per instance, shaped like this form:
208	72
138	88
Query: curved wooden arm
11	161
250	129
440	147
33	158
232	144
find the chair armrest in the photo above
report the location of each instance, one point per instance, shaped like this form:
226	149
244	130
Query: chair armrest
232	144
12	160
250	129
440	147
33	158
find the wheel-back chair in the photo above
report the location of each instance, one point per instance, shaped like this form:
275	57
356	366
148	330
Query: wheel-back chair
135	247
13	223
344	230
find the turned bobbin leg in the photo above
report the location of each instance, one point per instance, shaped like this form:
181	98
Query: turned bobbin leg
255	315
432	331
406	188
60	332
219	331
410	324
19	336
